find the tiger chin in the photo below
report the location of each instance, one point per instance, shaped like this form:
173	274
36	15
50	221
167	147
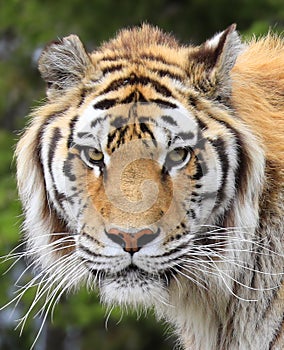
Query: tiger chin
153	172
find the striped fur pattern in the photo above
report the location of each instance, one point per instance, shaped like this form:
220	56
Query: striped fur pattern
154	173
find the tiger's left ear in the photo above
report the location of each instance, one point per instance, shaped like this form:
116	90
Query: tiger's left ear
63	64
213	61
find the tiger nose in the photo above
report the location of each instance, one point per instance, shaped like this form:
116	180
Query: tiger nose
132	242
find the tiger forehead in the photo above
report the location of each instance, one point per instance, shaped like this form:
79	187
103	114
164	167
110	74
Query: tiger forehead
123	131
147	43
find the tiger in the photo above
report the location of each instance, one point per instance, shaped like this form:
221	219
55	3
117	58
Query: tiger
153	174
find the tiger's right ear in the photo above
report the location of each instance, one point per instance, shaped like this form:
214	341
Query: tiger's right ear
63	64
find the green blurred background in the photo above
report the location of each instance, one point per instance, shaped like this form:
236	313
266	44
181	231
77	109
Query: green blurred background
25	27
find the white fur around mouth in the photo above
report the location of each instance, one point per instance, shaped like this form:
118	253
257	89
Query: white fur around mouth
133	287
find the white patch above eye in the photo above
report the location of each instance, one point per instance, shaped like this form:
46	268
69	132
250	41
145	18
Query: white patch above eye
90	128
181	126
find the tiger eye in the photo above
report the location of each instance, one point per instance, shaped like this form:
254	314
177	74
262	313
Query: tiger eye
94	156
177	156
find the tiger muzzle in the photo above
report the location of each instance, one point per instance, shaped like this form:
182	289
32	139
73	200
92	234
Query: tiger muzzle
132	242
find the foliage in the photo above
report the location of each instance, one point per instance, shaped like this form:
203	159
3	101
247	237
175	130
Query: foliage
25	27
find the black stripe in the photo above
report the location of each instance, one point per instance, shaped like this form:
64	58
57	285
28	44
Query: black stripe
144	128
59	197
67	167
201	124
168	119
98	120
49	119
110	138
38	155
159	58
118	122
192	101
82	97
186	135
163	103
220	148
165	73
200	172
120	133
84	135
149	57
105	104
70	142
56	137
241	174
135	80
112	68
161	89
114	58
201	142
88	252
135	96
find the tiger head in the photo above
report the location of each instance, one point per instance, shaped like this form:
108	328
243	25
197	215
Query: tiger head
135	167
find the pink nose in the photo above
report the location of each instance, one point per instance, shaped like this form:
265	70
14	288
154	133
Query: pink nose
132	242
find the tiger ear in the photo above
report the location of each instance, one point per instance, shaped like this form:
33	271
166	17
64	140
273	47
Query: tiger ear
63	64
216	58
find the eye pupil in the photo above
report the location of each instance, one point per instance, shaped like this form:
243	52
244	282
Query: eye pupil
177	156
93	156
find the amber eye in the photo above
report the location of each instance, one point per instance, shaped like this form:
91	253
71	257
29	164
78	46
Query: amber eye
92	156
177	157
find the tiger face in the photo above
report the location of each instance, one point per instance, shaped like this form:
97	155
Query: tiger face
136	175
136	184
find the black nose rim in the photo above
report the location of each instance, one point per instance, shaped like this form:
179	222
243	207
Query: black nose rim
132	242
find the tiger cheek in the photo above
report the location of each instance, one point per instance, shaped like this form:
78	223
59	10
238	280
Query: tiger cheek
96	194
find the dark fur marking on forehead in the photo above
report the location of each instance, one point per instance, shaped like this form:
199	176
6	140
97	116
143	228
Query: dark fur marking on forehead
166	73
192	101
158	58
84	134
135	80
113	68
98	120
135	96
170	120
119	134
145	129
118	122
163	103
110	138
105	104
147	120
186	135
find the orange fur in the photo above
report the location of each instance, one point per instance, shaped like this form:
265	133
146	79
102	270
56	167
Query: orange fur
258	93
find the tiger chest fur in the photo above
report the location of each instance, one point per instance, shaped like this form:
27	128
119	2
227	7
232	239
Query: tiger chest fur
154	173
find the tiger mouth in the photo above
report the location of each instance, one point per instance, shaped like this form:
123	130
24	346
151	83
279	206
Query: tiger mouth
134	272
